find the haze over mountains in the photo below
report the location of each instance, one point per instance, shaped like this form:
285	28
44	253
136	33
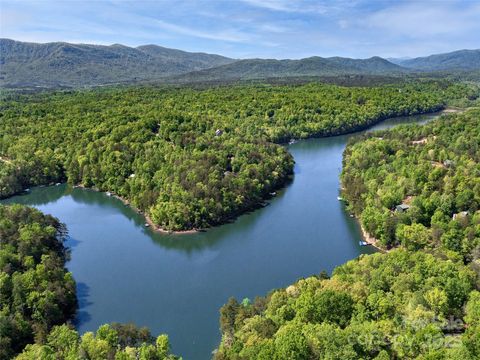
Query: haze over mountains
62	64
312	66
456	60
65	64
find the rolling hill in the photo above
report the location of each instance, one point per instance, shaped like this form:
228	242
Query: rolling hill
313	66
461	60
64	64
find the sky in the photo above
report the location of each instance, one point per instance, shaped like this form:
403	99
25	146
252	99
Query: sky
253	28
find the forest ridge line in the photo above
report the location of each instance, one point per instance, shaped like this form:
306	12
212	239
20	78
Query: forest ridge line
61	64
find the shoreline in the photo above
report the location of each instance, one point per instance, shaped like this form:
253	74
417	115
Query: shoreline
453	110
368	238
148	219
151	224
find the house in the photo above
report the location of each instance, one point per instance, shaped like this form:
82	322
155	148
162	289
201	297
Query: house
448	163
218	132
402	207
421	141
460	215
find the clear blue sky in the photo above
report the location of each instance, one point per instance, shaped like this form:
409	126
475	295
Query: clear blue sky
253	28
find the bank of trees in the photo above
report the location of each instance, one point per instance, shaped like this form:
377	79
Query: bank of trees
434	169
399	305
38	299
36	291
159	148
116	341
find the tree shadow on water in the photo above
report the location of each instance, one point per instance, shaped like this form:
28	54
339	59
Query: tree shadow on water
83	295
71	243
38	196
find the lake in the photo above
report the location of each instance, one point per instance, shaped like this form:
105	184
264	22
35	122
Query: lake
176	284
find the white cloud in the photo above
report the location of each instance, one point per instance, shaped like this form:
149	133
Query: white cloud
272	28
276	5
343	24
225	35
289	6
427	19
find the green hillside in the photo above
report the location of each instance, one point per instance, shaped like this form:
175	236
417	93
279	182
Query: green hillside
159	148
63	64
461	60
313	66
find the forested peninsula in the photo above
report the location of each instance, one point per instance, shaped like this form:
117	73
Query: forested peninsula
189	158
38	299
419	186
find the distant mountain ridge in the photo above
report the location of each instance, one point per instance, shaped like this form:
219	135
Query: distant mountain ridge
65	64
61	64
456	60
312	66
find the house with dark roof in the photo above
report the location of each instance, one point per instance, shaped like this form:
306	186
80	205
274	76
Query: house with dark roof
402	207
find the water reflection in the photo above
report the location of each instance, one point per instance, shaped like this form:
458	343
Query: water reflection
84	301
42	195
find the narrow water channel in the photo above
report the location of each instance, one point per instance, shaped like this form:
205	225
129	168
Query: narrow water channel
176	284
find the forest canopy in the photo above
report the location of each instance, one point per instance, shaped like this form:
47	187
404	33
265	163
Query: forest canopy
399	305
38	299
189	158
416	189
433	171
36	291
115	341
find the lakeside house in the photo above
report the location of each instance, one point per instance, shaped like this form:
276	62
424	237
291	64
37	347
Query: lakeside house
419	142
448	163
402	207
460	215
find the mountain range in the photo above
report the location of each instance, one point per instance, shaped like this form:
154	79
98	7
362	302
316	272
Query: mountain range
64	64
61	64
463	60
313	66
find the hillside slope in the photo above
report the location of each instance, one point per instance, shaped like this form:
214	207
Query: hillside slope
465	60
64	64
186	174
313	66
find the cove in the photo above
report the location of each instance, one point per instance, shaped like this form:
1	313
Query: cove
176	284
